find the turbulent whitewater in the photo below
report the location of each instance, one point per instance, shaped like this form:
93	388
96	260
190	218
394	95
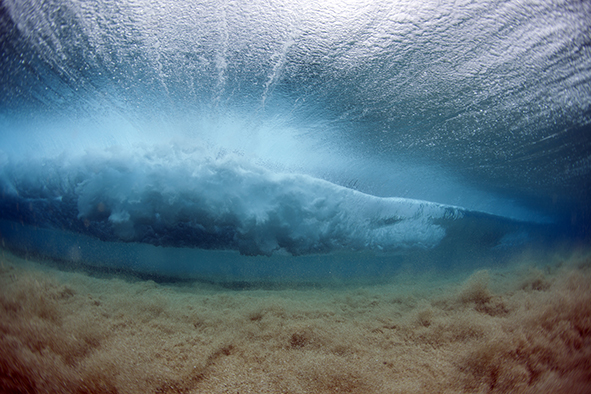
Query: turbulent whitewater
215	204
295	128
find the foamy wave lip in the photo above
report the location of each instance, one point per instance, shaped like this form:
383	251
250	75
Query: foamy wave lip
182	199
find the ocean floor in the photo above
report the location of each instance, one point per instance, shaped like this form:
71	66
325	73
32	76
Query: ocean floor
522	328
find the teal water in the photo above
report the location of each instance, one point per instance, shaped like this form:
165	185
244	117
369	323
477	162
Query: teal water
279	135
291	196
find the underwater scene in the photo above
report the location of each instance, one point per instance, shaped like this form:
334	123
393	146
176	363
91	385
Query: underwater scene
272	196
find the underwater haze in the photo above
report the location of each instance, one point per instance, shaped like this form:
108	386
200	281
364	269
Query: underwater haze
291	128
293	196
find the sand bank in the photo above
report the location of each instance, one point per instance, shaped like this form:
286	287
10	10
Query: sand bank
523	329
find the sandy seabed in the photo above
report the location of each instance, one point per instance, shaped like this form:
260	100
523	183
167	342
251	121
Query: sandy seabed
521	329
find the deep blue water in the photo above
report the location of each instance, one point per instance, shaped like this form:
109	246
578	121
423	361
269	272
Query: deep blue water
248	138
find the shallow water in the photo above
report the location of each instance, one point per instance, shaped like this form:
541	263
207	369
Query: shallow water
275	196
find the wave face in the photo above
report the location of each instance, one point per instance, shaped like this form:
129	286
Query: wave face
299	128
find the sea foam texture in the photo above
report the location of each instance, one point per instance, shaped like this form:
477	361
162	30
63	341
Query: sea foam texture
180	197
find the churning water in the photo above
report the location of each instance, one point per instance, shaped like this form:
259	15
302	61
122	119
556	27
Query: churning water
271	143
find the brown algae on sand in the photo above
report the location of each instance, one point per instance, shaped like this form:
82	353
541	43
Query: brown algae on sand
526	329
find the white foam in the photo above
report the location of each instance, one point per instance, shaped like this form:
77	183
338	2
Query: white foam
170	195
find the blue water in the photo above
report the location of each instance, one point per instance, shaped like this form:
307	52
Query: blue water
249	138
